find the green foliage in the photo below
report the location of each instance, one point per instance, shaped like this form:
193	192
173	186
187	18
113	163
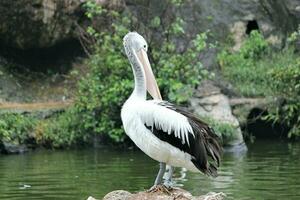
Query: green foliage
256	70
225	131
244	69
92	9
63	130
178	74
286	84
109	81
254	47
295	36
16	127
249	68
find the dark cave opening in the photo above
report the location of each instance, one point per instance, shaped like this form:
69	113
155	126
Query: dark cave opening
54	59
251	26
263	129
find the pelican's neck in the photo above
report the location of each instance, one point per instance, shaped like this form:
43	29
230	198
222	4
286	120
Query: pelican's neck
139	75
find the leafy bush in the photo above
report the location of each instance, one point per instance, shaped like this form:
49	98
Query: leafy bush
255	46
62	130
16	127
257	70
109	81
244	69
286	84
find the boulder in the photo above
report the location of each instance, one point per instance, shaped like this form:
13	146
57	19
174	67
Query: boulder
117	195
27	24
12	147
34	24
226	19
238	18
208	101
241	107
176	193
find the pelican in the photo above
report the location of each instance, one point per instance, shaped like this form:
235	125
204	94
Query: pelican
163	131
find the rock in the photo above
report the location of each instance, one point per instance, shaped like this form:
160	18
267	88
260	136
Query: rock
241	107
91	198
30	24
117	195
225	18
12	148
176	193
210	102
26	24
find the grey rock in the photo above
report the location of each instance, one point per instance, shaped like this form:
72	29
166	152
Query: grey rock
29	24
26	24
225	19
175	193
117	195
12	147
241	107
208	101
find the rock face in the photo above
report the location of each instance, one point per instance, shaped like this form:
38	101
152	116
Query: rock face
229	17
26	24
208	101
177	193
238	18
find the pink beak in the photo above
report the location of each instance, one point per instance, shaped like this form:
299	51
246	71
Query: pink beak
151	83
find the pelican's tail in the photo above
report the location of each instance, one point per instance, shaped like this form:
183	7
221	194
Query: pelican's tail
209	148
205	147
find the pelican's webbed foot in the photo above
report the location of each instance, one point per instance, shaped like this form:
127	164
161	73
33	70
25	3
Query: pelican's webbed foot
160	188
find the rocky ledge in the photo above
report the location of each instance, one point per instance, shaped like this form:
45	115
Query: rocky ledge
174	194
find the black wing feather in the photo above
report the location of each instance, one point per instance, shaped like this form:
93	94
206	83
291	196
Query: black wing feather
204	145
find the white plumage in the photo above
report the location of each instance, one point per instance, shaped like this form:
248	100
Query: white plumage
136	113
164	132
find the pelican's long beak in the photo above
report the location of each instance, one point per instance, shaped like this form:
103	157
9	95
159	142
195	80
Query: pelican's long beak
151	83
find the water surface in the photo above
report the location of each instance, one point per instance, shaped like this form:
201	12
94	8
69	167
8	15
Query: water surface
269	170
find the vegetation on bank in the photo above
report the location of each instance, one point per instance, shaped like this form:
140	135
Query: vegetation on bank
257	70
16	128
109	80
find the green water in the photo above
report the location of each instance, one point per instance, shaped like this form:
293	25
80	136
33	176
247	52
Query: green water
269	170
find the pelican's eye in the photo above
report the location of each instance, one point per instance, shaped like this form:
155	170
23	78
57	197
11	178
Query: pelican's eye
145	47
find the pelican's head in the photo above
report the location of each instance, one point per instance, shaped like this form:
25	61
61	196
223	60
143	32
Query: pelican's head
135	41
136	46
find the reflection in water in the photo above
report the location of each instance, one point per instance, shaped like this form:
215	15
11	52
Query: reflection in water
269	170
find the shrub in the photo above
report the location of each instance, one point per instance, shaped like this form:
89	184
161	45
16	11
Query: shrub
16	127
255	46
257	70
62	130
244	68
109	81
286	85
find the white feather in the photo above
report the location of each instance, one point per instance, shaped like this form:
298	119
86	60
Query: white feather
136	113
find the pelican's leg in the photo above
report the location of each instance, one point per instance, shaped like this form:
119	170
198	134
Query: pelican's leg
161	172
169	181
158	181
